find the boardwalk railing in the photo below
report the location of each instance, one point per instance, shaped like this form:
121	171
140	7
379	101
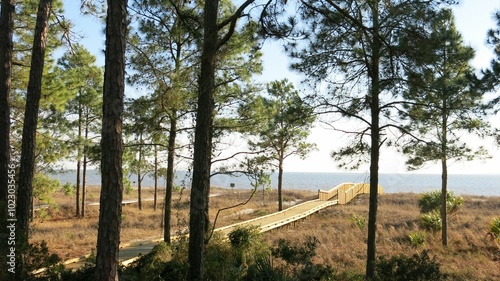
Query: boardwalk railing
345	192
327	195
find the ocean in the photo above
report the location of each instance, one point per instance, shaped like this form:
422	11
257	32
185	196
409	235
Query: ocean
483	185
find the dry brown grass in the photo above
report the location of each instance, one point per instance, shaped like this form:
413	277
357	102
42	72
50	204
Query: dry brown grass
469	256
71	237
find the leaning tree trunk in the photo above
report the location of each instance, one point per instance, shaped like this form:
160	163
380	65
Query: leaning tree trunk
375	146
108	237
170	179
198	219
25	189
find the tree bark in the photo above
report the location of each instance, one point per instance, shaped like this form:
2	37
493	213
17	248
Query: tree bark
78	160
108	237
6	47
444	176
84	173
280	183
156	178
170	179
27	167
375	145
139	179
198	220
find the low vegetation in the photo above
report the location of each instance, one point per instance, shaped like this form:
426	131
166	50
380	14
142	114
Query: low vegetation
330	245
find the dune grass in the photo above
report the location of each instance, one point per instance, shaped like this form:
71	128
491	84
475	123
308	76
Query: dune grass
470	255
340	230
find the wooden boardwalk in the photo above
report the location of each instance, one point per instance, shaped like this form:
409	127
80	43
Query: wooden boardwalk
341	194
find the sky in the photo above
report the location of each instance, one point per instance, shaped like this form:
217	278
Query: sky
473	19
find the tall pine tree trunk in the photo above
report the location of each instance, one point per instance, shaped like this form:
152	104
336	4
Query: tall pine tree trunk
25	189
280	182
444	176
156	178
198	219
84	173
139	178
108	237
170	179
6	47
79	160
84	184
375	144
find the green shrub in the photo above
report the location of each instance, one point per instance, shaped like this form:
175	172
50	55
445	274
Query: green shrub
495	228
359	221
37	256
82	274
242	237
150	266
296	255
419	267
164	262
230	261
220	262
43	188
264	270
68	188
431	221
175	270
431	201
295	263
417	238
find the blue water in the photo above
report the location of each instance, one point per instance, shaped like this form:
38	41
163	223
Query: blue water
487	185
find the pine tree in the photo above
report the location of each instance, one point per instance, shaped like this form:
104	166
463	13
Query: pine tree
200	190
83	80
108	237
6	49
282	123
443	101
27	166
352	56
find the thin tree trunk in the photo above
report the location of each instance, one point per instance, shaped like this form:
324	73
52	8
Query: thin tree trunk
78	176
198	219
444	194
156	177
78	161
25	189
84	176
444	177
108	237
280	183
375	146
139	186
6	47
84	184
170	179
